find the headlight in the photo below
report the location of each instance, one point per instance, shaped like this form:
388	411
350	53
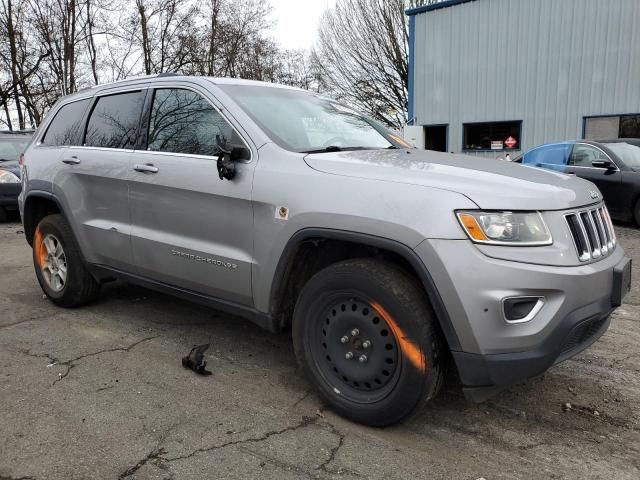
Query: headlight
8	177
505	228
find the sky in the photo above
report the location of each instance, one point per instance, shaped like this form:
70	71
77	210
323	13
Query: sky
297	21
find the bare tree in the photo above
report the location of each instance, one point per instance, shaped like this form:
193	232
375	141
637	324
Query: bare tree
362	53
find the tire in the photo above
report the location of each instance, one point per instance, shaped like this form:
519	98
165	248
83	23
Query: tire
636	212
78	287
404	366
3	215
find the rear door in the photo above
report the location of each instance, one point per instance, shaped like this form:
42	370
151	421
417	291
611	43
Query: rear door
190	228
608	180
93	180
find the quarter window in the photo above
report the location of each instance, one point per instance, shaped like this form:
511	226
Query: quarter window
583	155
113	123
182	121
65	127
492	136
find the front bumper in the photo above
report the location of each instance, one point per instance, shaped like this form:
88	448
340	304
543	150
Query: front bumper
578	303
9	195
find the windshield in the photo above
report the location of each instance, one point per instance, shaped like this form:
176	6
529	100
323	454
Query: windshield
629	154
11	148
304	122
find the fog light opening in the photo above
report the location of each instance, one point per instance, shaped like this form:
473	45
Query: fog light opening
521	309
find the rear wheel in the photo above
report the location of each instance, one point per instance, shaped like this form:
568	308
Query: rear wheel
59	266
364	334
3	215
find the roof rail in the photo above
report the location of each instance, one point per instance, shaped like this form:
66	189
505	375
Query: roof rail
167	74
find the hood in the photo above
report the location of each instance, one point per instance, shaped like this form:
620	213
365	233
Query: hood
491	184
12	166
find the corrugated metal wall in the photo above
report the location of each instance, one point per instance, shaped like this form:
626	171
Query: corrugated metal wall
548	63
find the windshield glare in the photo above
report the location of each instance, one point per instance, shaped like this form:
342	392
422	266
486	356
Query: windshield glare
11	148
629	154
303	122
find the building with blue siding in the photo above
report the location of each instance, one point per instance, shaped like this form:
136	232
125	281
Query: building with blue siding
490	76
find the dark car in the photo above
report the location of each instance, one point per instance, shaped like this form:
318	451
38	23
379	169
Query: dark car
613	165
12	144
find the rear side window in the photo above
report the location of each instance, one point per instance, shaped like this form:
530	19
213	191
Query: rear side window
65	126
113	123
182	121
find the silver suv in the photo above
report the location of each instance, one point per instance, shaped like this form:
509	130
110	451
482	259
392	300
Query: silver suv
389	264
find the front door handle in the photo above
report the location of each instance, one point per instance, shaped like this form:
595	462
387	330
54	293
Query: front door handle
72	160
146	168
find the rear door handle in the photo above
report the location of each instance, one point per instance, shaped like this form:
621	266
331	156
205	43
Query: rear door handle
72	160
146	168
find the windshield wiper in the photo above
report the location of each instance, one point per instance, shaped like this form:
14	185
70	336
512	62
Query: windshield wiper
330	148
335	148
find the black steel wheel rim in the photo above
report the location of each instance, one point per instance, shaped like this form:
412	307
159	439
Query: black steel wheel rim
354	349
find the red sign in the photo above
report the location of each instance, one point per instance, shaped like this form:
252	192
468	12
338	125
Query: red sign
510	142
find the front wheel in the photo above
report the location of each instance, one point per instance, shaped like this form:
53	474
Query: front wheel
364	334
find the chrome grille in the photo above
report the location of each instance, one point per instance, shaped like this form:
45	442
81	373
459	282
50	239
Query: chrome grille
592	233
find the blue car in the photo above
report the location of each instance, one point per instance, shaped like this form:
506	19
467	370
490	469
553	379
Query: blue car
613	165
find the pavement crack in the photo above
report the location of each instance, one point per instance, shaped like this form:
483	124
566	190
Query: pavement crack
70	364
153	455
618	361
51	358
324	466
302	399
27	320
305	422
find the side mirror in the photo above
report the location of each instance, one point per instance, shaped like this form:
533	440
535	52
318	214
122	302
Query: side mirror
603	164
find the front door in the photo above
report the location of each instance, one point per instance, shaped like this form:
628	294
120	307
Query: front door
190	228
606	179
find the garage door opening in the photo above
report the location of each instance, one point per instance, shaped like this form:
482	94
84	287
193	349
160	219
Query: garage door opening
435	137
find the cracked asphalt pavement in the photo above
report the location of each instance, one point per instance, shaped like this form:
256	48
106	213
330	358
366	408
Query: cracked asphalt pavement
100	392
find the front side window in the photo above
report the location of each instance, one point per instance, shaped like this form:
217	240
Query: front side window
584	155
113	123
300	121
492	136
182	121
64	129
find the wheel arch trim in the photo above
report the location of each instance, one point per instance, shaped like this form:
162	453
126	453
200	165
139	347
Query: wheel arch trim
26	215
407	253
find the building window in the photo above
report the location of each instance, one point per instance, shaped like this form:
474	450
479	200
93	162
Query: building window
611	127
492	136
